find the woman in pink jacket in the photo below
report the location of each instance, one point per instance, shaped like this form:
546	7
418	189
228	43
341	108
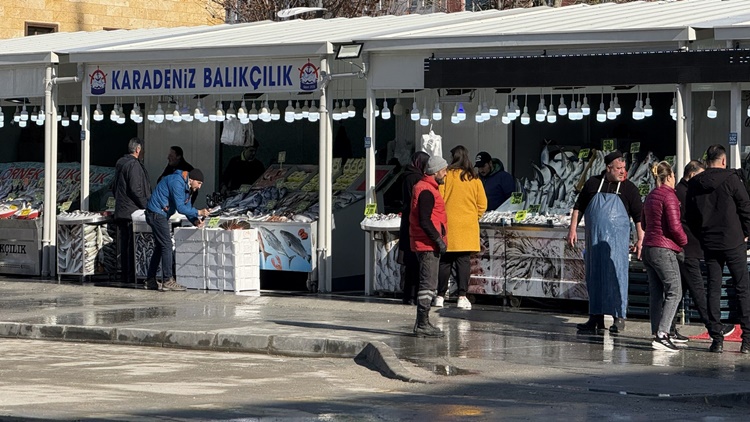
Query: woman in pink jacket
662	248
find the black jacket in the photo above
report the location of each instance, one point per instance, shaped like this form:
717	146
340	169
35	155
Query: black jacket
693	247
131	187
409	178
718	209
628	193
241	172
169	169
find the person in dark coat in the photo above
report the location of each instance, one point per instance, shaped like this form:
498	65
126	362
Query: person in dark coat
176	161
498	183
718	213
132	191
413	173
243	169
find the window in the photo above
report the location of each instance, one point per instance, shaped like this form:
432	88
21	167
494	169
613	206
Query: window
34	28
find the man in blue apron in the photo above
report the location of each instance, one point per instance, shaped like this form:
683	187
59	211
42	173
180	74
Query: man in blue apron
608	201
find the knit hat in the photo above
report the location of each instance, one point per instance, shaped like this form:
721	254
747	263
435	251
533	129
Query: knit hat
435	164
196	174
612	156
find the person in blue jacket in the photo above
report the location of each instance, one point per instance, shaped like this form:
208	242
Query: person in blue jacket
172	194
498	183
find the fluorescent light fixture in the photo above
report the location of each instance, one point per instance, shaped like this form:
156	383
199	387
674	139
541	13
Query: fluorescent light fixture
349	51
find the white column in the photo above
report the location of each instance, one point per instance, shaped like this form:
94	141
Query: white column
324	207
735	125
49	201
51	173
370	196
327	283
681	140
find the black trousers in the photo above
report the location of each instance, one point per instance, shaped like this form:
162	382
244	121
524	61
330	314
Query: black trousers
411	275
127	250
692	280
736	261
462	262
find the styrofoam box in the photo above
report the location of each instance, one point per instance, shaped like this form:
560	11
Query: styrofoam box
189	271
182	257
193	282
230	259
188	234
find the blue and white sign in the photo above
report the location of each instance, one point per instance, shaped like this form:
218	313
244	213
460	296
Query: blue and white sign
270	76
732	138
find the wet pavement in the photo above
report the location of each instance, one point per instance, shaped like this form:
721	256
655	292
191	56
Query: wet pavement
516	346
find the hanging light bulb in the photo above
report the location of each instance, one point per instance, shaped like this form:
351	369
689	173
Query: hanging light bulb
414	111
58	115
17	116
638	113
424	119
184	112
198	111
24	114
352	111
65	119
231	112
579	111
34	114
22	123
306	109
504	117
386	112
541	113
572	111
562	109
551	115
114	114
41	116
252	114
297	112
611	111
585	108
98	114
289	112
510	111
485	111
377	110
121	116
478	115
712	112
242	111
314	114
516	108
275	113
2	117
461	112
398	109
336	113
437	114
265	112
169	115
648	111
454	116
159	114
525	118
494	111
601	115
220	114
150	112
618	109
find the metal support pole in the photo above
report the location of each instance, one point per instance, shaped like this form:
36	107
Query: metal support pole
735	125
324	207
681	139
370	197
49	200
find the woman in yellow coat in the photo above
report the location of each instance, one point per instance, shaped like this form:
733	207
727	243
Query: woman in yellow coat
465	202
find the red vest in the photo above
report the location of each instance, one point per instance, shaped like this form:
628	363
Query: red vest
420	242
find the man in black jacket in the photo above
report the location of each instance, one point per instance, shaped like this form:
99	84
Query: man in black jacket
718	212
132	190
176	161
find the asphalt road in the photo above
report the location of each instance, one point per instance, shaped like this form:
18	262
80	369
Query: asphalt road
48	380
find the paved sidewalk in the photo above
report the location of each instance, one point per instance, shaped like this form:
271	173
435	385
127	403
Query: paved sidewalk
516	346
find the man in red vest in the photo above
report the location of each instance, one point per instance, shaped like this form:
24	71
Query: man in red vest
427	229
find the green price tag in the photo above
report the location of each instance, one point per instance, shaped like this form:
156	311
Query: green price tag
670	160
244	188
520	216
213	222
644	189
635	147
65	206
111	203
516	198
10	197
584	153
534	208
608	145
371	209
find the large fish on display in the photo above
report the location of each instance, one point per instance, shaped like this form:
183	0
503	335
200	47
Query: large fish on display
295	245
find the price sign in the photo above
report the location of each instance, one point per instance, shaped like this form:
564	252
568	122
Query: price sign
520	216
25	212
65	206
635	147
213	222
670	160
584	153
282	157
516	198
371	209
111	202
608	145
534	208
244	188
644	189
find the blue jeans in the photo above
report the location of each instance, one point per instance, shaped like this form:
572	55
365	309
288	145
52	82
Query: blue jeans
664	285
162	245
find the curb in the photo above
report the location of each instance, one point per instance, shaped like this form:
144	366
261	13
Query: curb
375	355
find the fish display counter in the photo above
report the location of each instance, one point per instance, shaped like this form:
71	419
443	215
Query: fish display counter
85	244
21	246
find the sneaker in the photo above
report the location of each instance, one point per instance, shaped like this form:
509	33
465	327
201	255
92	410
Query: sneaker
727	330
172	286
664	344
676	337
152	284
618	326
438	301
463	303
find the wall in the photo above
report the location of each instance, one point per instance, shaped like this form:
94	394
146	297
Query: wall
95	15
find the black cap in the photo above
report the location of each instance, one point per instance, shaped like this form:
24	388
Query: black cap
482	159
196	174
612	156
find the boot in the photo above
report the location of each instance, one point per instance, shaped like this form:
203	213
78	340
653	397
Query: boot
595	323
423	328
618	326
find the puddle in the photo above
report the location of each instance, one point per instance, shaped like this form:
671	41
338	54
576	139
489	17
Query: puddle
445	370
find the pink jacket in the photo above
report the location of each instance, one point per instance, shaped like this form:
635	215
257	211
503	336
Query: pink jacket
661	220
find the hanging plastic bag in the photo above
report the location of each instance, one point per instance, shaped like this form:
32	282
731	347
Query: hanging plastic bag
233	133
432	144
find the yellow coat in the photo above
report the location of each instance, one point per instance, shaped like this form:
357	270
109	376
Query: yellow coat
465	202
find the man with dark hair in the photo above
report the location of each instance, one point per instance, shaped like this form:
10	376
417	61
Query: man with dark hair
427	232
243	169
171	195
718	213
609	201
498	183
175	161
131	190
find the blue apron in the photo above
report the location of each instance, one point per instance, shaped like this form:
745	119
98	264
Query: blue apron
606	258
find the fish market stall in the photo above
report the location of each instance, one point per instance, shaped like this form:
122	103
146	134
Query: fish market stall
85	244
